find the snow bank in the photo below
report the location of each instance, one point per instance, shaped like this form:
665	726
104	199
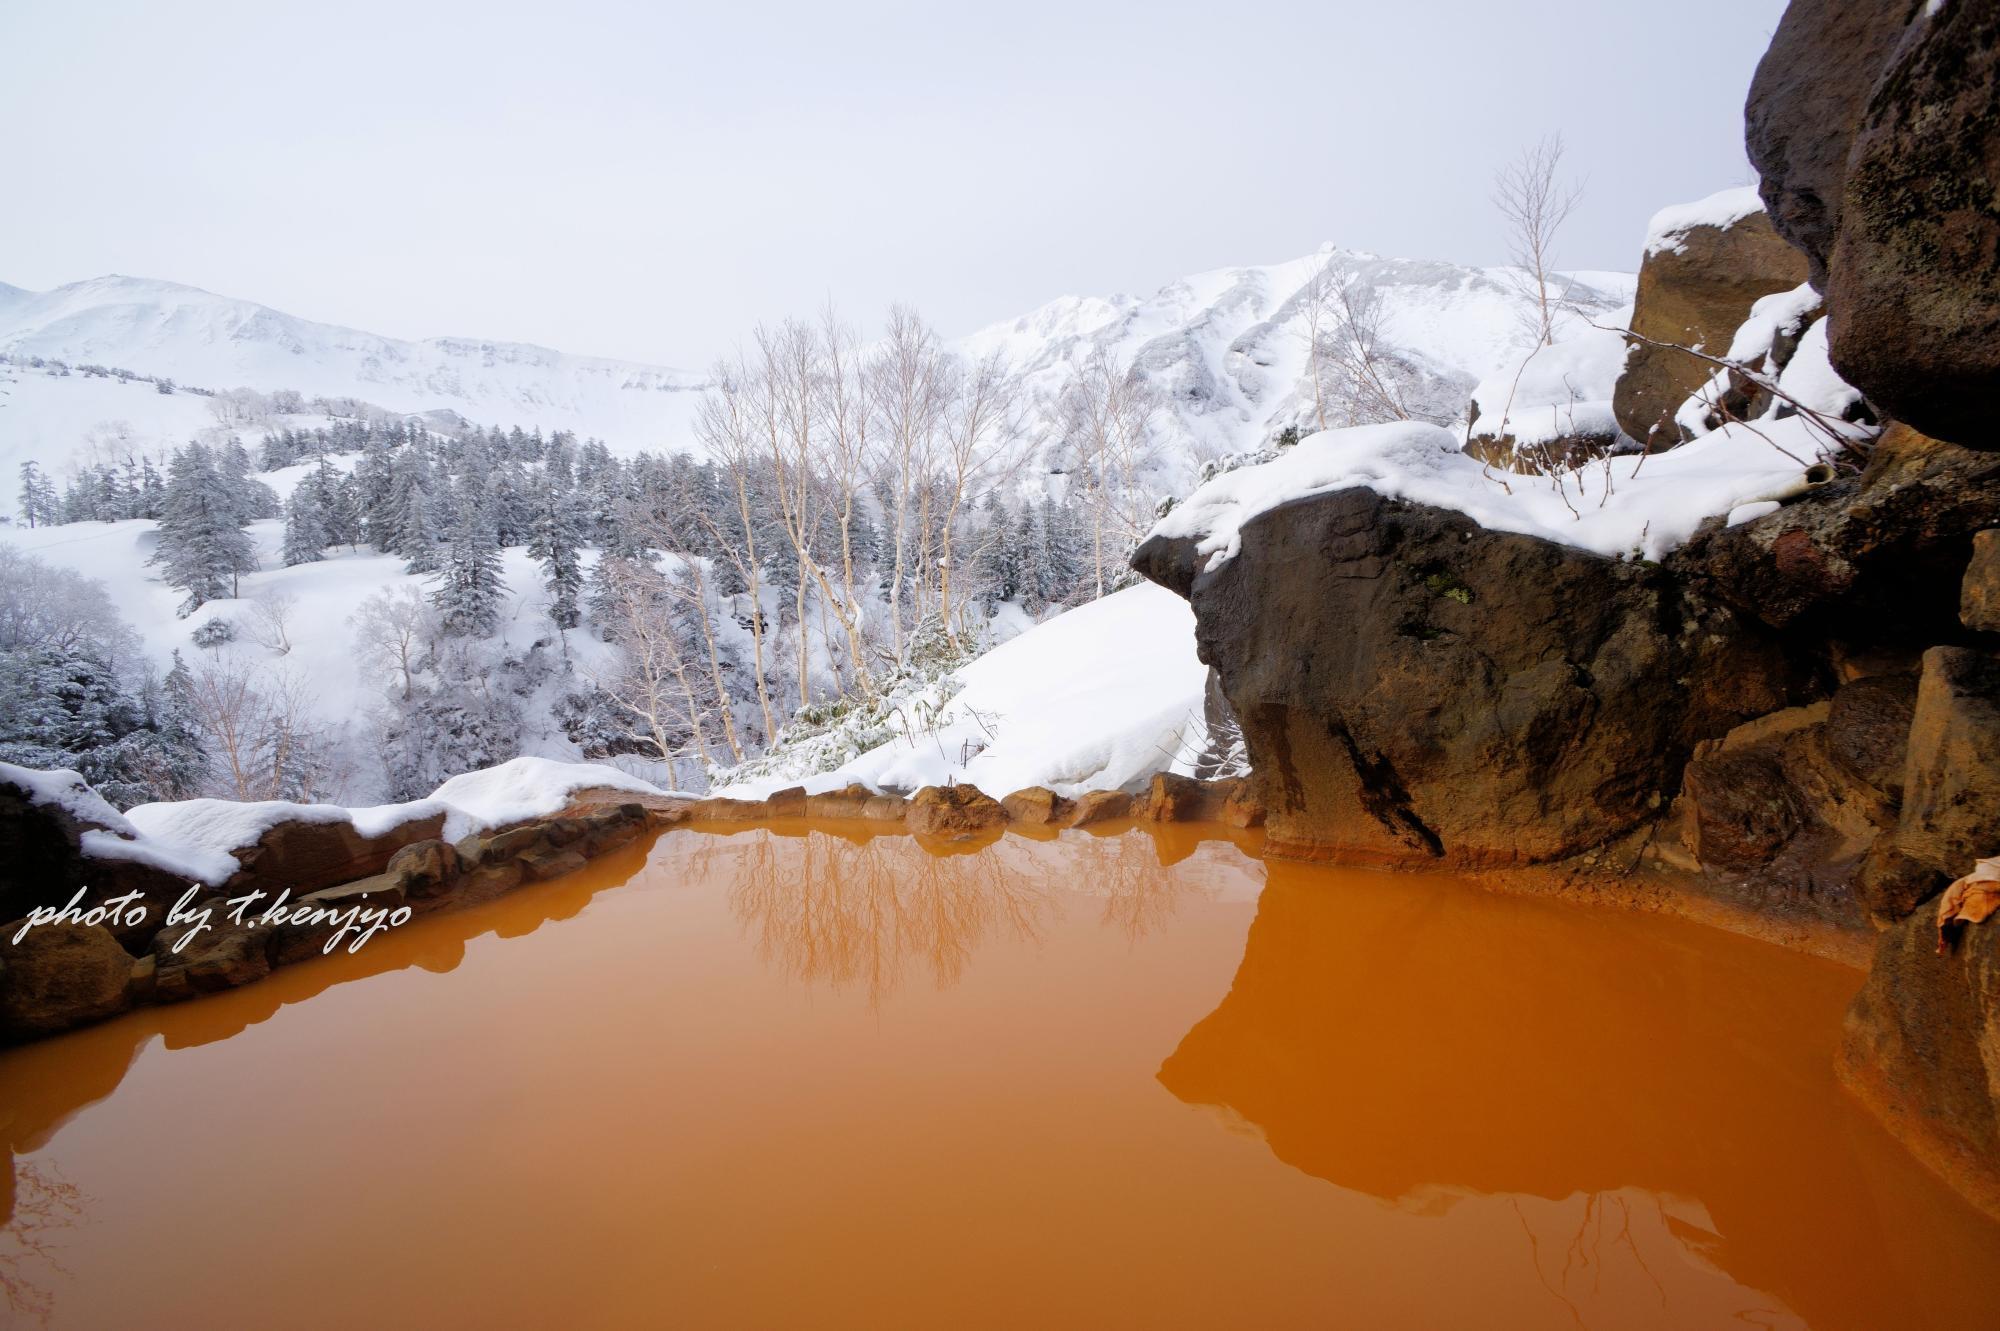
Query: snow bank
1098	698
1563	389
65	790
1810	379
520	789
194	839
1634	504
1669	227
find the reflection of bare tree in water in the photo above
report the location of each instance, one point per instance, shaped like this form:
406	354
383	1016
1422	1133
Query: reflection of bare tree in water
1140	895
43	1205
832	910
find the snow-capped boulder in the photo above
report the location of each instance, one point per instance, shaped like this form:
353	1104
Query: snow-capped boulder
1706	264
1441	693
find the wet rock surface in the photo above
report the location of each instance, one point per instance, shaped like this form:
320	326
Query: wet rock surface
1922	1049
954	813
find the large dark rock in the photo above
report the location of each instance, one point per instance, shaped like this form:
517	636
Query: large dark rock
1415	689
41	847
1742	809
1875	125
1868	731
1805	102
1695	294
1922	1050
1775	812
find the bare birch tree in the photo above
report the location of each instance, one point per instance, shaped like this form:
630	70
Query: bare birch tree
724	427
906	372
1107	413
1351	360
392	628
979	436
1534	203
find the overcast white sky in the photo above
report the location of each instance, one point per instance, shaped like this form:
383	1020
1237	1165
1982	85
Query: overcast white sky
650	180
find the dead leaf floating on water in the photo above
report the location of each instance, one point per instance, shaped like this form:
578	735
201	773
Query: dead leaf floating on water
1969	900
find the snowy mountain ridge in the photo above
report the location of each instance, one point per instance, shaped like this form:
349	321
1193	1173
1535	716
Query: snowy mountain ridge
1225	349
218	342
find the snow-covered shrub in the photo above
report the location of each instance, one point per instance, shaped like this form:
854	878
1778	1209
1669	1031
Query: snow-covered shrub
216	632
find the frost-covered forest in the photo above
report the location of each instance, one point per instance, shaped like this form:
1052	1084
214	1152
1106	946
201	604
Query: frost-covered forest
856	521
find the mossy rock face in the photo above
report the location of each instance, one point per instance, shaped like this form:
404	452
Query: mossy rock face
1875	125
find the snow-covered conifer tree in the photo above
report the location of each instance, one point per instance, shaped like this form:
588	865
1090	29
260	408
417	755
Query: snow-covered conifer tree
306	535
469	587
203	549
555	543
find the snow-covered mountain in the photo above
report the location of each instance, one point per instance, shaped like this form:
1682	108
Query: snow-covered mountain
216	342
1226	349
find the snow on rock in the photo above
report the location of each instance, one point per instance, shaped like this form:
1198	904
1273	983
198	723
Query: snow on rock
1098	698
194	839
514	791
1630	505
1558	390
1722	209
65	790
1810	379
1753	347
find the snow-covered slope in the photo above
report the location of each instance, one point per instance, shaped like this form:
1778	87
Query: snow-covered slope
1227	349
1097	698
217	342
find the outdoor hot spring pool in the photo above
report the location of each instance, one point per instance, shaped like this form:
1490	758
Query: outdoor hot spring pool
806	1075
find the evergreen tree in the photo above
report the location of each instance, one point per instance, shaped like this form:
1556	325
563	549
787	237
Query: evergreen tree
203	548
181	759
252	498
418	512
374	493
555	543
468	588
39	505
306	536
